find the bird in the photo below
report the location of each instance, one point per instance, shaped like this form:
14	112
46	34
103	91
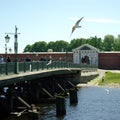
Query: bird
76	25
50	61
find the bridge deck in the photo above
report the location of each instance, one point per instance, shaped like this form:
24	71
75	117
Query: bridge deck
16	78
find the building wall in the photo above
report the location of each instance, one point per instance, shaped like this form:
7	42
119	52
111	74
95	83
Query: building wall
106	60
36	56
109	60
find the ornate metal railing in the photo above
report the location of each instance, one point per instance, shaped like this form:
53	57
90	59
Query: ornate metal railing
7	68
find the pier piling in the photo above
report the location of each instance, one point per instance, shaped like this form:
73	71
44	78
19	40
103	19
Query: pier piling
60	106
73	96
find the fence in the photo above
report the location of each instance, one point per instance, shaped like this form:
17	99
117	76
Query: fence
7	68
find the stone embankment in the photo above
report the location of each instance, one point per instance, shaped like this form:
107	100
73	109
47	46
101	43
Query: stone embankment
87	76
100	77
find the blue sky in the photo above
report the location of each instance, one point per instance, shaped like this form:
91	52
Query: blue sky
51	20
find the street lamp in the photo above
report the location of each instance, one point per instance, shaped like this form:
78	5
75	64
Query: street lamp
7	38
15	48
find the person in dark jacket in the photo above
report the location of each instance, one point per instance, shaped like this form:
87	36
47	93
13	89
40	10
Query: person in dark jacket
8	59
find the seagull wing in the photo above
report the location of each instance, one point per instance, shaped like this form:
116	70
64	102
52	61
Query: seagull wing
73	29
76	25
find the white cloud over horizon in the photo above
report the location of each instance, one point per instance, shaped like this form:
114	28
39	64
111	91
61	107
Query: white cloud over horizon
98	20
101	20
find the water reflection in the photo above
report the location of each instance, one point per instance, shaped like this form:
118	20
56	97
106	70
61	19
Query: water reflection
93	104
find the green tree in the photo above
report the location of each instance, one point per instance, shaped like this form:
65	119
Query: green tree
108	43
96	42
51	45
61	46
28	48
77	42
40	46
117	44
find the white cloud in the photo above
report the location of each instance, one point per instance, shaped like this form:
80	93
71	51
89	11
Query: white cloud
97	20
103	21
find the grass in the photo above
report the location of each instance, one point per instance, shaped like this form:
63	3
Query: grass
110	78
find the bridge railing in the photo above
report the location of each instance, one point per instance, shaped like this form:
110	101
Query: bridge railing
9	67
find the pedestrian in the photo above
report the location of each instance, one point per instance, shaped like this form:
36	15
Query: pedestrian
1	59
8	59
28	59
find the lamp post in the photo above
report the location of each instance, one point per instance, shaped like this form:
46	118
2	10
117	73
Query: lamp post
16	50
7	38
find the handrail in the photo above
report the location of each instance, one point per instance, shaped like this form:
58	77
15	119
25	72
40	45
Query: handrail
8	68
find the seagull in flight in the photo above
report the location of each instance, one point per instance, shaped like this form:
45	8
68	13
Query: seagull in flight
76	25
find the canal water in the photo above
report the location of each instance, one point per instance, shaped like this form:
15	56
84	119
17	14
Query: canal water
94	103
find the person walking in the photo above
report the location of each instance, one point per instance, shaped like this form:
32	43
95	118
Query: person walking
1	59
8	59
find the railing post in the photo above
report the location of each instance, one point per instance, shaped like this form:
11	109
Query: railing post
51	66
16	67
37	65
24	66
55	64
6	68
31	64
42	65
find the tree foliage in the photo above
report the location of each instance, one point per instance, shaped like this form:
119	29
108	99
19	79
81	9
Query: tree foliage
109	43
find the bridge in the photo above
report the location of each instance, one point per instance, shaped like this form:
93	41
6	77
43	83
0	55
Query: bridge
37	69
35	82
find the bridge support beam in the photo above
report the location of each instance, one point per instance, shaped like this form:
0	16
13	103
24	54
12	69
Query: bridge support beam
49	94
64	91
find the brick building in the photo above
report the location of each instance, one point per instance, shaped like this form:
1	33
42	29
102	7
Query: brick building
36	56
109	60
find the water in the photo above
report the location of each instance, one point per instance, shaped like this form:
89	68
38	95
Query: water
93	104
